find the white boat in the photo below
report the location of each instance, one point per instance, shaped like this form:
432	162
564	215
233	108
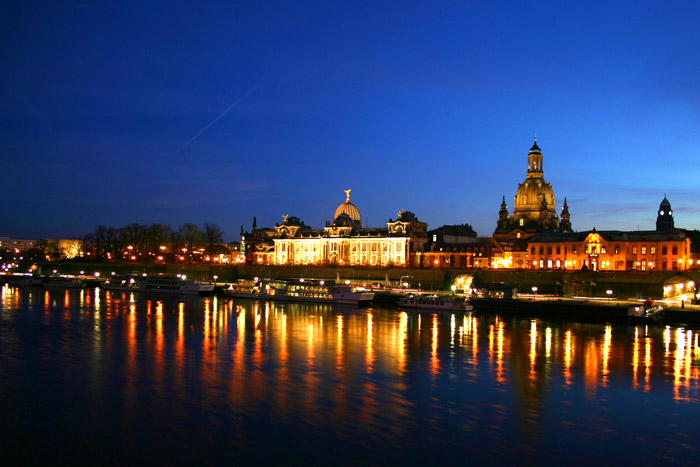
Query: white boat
320	292
162	283
435	302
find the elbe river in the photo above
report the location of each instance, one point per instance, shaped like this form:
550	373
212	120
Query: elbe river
117	378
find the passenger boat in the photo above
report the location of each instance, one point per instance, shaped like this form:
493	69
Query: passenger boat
247	289
645	313
122	283
24	280
435	302
64	282
320	292
162	283
165	283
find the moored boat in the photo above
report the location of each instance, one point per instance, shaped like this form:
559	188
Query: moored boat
645	313
321	292
435	302
247	289
161	283
165	283
64	282
122	283
24	280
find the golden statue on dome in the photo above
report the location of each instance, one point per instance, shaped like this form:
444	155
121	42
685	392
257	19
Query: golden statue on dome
347	195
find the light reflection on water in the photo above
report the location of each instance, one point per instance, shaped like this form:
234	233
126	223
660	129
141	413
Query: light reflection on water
118	376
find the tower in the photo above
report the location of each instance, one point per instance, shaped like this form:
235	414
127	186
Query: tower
664	218
565	222
503	215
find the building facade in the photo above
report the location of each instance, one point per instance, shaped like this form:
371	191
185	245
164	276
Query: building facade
666	248
342	242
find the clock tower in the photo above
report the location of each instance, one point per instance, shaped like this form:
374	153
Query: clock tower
664	219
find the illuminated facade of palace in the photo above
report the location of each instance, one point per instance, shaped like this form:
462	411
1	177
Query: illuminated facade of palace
666	248
342	242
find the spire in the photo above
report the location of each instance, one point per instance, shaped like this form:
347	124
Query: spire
503	213
565	223
347	195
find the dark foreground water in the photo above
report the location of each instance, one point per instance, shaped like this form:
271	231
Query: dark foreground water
89	376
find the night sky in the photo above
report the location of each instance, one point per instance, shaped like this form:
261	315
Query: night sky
174	112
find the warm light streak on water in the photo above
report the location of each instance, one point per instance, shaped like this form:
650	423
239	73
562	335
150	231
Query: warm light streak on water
118	376
569	347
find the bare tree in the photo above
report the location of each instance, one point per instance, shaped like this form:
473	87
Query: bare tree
212	235
191	236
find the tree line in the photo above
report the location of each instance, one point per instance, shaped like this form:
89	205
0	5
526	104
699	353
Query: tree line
153	240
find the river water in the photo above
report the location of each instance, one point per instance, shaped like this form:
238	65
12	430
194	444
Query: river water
93	376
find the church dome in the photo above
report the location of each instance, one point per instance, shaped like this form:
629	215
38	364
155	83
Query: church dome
665	205
530	194
534	194
349	209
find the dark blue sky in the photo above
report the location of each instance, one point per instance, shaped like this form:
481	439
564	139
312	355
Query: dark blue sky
174	112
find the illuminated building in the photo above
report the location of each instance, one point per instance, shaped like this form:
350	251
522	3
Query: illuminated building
343	242
535	205
457	246
666	248
534	212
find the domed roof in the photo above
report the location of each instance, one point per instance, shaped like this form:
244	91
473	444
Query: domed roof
530	193
665	205
349	209
343	220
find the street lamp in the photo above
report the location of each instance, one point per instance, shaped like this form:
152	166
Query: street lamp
534	291
684	297
609	292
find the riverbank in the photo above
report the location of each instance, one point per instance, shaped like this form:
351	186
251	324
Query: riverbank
638	284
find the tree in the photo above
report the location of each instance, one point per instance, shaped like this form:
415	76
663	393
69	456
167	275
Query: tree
191	236
212	235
